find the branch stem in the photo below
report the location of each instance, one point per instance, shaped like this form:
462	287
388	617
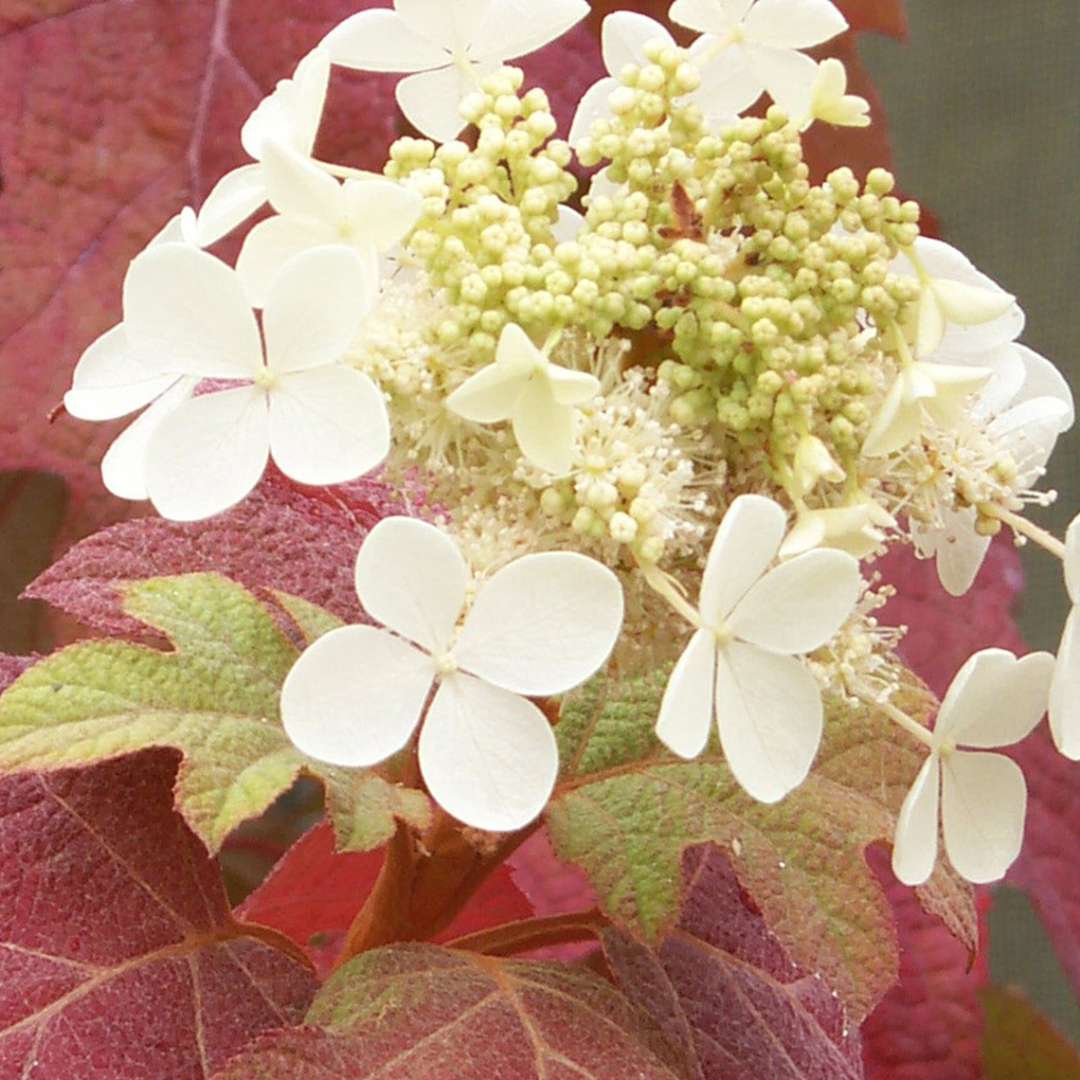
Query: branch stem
865	694
528	934
1020	524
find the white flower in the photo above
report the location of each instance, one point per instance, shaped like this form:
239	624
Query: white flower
450	44
112	380
185	312
525	387
1065	689
960	308
741	664
623	39
314	209
995	700
858	529
1022	410
753	47
922	391
540	626
814	463
830	102
290	118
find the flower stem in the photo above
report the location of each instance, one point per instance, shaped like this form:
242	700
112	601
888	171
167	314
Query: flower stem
1020	524
527	934
865	694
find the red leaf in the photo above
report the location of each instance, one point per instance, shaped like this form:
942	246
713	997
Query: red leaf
314	892
726	993
119	114
930	1025
297	540
118	956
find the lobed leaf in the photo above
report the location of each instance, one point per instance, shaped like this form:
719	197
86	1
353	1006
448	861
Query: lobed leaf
1021	1042
727	994
625	811
415	1012
214	698
118	956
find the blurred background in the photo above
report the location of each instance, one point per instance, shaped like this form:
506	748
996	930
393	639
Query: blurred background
984	103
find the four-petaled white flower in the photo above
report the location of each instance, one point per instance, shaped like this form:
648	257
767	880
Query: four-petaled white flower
185	313
1022	410
829	101
525	387
741	664
959	307
758	44
540	626
922	391
450	45
1065	689
995	700
290	118
314	209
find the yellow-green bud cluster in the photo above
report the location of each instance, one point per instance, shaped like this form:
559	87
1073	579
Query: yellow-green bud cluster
485	235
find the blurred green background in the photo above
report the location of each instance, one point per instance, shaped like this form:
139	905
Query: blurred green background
983	102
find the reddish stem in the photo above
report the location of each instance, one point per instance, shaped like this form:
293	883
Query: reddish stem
527	934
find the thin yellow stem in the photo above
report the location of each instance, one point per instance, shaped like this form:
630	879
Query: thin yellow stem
897	716
1021	525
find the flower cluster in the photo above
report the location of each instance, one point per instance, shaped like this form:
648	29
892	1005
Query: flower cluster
706	376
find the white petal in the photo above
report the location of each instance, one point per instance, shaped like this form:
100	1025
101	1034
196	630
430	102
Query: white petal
123	468
769	712
729	85
1008	706
543	624
709	16
491	395
328	425
1042	379
970	305
208	453
1008	377
788	75
1065	691
381	211
431	100
233	199
794	24
488	757
270	245
355	696
568	226
571	387
746	542
624	37
382	41
316	307
983	805
592	107
514	28
689	699
410	576
109	381
915	845
897	423
454	26
185	312
544	429
1072	560
293	112
930	324
960	552
1028	433
299	188
801	604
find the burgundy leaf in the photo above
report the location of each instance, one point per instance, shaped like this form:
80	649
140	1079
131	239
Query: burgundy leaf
725	991
118	956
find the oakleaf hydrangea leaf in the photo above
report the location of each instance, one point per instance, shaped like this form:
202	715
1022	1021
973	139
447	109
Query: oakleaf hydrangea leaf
416	1011
625	811
118	955
725	991
214	698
